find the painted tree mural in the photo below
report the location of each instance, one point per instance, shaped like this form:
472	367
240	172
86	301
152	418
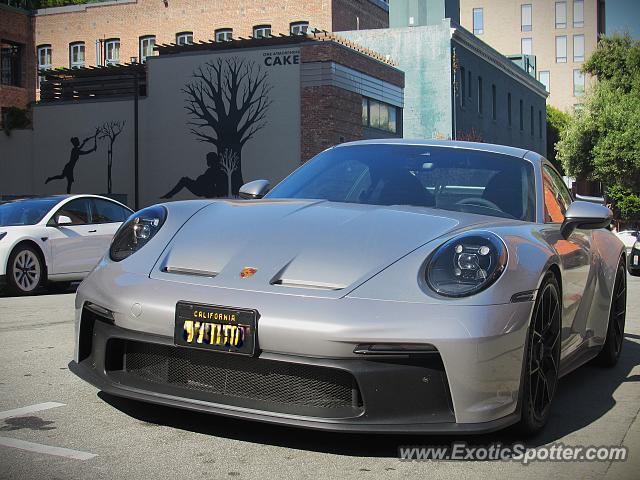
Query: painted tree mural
228	100
110	131
229	163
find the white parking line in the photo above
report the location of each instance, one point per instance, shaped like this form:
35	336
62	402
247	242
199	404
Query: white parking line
20	412
46	449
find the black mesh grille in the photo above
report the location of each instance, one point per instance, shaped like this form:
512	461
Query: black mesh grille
232	376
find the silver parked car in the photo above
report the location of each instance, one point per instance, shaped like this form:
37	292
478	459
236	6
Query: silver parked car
384	286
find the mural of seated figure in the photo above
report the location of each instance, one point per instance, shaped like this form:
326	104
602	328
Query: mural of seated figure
212	183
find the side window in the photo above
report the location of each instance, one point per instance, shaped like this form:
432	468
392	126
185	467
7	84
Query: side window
108	212
556	196
77	210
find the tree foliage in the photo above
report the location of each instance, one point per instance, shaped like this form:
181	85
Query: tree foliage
557	122
602	140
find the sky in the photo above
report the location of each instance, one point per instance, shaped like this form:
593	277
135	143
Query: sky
623	15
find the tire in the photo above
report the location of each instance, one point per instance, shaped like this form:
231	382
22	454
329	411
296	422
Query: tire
614	340
25	271
541	358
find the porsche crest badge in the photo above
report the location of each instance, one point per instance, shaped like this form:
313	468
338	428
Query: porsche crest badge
247	272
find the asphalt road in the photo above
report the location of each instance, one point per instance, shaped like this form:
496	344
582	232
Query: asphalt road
86	434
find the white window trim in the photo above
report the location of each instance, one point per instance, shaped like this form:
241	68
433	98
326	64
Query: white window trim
263	30
184	36
221	34
141	42
107	60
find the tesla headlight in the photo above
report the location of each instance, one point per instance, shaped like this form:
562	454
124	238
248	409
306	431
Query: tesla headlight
136	232
467	264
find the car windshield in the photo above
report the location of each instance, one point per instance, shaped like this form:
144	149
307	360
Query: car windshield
25	211
445	178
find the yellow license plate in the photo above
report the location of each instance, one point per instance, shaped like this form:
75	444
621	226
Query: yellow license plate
216	328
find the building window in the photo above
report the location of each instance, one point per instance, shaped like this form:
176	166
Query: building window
509	117
146	47
112	51
262	31
11	63
544	77
478	21
525	18
561	14
540	123
224	34
44	61
184	38
526	46
494	111
480	95
299	28
578	13
521	115
76	55
379	115
531	121
469	84
561	49
578	48
463	91
578	83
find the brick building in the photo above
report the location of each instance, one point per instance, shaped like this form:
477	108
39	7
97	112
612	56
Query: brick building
17	60
119	31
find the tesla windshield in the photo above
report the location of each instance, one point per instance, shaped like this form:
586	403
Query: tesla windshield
25	211
455	179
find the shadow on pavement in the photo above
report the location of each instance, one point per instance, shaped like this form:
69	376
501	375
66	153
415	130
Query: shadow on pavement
583	397
51	289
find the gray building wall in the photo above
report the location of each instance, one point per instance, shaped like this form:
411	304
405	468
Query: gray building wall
470	123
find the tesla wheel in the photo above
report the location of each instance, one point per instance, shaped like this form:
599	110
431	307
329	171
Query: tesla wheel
542	358
612	347
25	270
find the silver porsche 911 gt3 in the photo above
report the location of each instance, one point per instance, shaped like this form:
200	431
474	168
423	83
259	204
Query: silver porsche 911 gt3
384	286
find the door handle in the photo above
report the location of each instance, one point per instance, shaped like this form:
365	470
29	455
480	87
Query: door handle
93	231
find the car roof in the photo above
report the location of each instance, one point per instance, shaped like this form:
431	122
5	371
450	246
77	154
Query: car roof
62	197
484	147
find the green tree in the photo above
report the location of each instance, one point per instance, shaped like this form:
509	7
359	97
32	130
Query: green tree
602	140
557	122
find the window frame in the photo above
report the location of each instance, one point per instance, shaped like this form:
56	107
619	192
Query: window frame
547	85
141	40
180	36
480	99
389	109
560	59
560	25
578	58
107	60
260	28
528	40
303	24
494	102
521	115
223	32
15	61
477	31
523	26
463	87
509	110
578	23
577	92
72	46
46	46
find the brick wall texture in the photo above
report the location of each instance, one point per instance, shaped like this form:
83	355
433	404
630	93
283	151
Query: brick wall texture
133	19
17	27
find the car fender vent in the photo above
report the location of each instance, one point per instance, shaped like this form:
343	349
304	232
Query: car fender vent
306	284
189	271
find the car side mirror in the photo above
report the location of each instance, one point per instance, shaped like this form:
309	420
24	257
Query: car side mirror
585	215
63	220
255	189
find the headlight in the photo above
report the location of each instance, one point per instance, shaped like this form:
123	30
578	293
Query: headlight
636	245
136	232
467	264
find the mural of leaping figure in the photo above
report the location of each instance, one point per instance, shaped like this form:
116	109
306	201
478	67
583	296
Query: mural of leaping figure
76	152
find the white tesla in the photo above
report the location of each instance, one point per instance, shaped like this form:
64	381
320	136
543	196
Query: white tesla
55	239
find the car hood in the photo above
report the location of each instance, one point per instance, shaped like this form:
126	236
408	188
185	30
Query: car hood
297	246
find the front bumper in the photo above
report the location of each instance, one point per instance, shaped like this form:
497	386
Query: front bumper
385	395
471	384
